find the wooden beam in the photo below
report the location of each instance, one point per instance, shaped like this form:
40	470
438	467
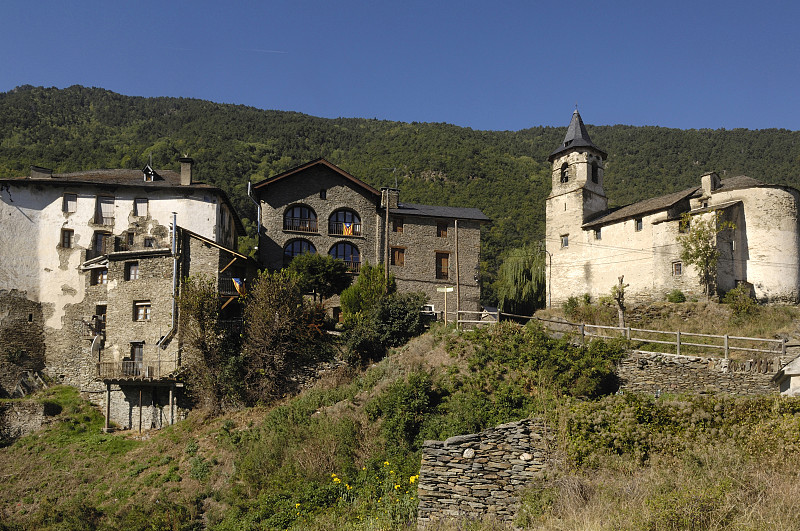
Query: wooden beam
229	264
227	302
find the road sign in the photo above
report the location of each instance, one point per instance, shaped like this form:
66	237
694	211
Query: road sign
447	289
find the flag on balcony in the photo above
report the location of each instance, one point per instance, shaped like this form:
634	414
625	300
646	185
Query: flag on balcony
347	229
239	285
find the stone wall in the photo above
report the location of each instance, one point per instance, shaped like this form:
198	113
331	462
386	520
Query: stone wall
644	372
470	476
21	417
154	406
22	349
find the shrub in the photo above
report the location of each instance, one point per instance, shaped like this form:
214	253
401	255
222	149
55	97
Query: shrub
571	306
676	296
741	301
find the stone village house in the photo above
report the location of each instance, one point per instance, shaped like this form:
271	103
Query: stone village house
89	275
589	245
318	207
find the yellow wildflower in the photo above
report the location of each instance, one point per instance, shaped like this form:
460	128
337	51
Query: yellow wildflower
386	463
296	505
396	487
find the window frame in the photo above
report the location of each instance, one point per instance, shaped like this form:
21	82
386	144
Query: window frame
677	268
132	270
441	229
288	257
142	311
564	241
100	217
398	225
68	201
353	260
300	218
67	238
141	201
638	224
98	276
564	173
442	259
598	235
338	227
398	256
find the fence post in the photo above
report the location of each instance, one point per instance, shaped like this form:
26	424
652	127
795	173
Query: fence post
678	342
583	338
726	346
628	333
783	347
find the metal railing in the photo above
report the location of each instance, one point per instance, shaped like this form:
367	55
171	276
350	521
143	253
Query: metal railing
300	224
339	228
137	370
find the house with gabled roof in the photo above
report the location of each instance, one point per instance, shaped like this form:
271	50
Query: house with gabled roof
590	246
91	266
319	207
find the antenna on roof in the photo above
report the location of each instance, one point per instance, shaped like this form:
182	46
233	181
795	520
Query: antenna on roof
394	171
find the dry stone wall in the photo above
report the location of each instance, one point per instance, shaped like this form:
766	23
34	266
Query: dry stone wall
645	372
21	417
469	476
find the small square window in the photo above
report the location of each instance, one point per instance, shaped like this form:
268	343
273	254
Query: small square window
66	238
398	256
149	242
323	194
441	230
140	206
99	276
442	266
677	269
397	225
564	240
70	203
129	238
597	235
638	224
141	311
132	271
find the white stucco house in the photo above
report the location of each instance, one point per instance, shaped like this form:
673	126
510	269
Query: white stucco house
590	246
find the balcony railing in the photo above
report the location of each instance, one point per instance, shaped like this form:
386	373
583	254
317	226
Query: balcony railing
227	287
352	267
300	224
136	370
339	228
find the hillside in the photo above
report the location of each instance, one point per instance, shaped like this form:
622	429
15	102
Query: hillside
344	454
504	173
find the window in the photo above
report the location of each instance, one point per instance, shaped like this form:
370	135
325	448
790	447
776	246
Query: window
348	253
66	238
398	256
99	276
637	224
130	237
133	366
70	203
397	225
344	223
100	319
104	211
132	271
564	173
149	242
140	207
442	266
296	248
677	269
323	194
597	235
300	218
441	229
595	173
103	244
141	311
564	240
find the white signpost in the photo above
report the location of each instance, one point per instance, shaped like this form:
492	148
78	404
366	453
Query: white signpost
445	290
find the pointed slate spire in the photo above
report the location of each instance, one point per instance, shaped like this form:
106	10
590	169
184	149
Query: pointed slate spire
577	136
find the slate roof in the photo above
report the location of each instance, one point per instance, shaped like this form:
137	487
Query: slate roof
432	211
320	161
577	136
642	207
737	183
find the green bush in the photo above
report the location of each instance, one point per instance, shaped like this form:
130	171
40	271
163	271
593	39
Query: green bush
676	296
741	301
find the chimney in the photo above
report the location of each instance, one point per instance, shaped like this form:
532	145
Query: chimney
392	195
186	170
37	172
710	182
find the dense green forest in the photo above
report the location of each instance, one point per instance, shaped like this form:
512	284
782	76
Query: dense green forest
504	173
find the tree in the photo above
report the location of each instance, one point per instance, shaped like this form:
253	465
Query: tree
369	288
521	282
618	294
698	243
321	275
211	353
283	332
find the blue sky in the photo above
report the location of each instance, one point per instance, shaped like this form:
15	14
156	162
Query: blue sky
485	65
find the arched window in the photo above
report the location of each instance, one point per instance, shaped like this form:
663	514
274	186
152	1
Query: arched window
300	218
349	253
595	173
296	247
344	222
564	173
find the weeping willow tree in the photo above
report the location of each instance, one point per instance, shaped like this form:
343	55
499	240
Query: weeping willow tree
520	281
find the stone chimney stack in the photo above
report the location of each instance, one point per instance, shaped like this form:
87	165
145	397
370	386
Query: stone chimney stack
37	172
390	196
186	170
710	182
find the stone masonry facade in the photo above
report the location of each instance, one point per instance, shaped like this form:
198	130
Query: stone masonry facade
469	476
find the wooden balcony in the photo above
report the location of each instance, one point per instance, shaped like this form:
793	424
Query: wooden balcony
352	267
136	370
300	225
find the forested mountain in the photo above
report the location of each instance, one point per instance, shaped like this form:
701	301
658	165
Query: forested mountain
504	173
